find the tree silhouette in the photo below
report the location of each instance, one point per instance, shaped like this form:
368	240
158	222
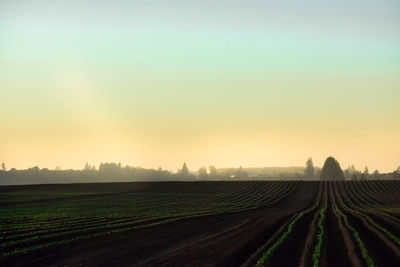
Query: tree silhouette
331	170
309	172
366	172
89	167
213	171
240	173
347	173
184	171
396	173
203	173
3	166
375	174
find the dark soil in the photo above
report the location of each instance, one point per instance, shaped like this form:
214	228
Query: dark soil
231	239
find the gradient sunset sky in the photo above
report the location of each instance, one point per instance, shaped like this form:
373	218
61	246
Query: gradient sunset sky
228	83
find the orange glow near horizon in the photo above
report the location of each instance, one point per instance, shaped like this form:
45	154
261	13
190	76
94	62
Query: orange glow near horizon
131	85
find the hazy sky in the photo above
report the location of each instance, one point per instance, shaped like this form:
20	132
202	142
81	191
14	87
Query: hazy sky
228	83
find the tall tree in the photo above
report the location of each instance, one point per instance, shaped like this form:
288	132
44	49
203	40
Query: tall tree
375	174
87	167
213	171
203	173
366	172
240	173
347	173
184	171
3	166
331	170
309	172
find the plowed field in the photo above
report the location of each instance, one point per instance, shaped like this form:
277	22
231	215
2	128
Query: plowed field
276	223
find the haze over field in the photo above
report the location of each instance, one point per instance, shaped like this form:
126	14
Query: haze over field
226	83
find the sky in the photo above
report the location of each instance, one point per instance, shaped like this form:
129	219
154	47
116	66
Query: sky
224	83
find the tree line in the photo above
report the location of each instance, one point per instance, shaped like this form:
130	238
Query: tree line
115	172
332	171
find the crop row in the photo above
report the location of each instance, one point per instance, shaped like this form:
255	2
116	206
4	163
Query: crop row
355	201
356	205
130	204
40	234
290	228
